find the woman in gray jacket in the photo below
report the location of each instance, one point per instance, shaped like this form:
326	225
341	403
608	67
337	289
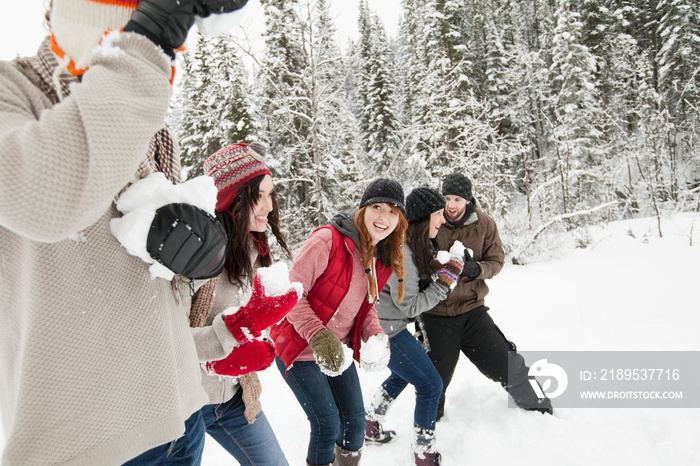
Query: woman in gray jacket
423	289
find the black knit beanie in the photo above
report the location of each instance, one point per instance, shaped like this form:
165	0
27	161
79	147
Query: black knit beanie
457	185
384	190
422	202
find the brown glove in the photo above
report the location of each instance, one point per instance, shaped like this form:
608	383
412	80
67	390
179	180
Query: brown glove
328	350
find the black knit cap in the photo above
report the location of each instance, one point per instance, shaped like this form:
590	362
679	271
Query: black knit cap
457	184
386	191
422	202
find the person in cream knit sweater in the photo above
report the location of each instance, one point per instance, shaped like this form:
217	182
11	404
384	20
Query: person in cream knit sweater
97	361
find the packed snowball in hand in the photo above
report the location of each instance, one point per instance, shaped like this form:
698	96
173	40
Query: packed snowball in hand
139	204
375	354
456	250
347	360
275	279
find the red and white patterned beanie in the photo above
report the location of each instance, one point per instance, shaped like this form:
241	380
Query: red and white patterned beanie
234	166
77	26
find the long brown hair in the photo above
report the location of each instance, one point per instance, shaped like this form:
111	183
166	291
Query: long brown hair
237	225
419	243
393	246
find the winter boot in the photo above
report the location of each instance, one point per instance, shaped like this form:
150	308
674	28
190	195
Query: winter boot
374	432
525	398
518	386
428	459
424	450
346	457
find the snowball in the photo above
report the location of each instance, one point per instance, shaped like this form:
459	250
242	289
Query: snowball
443	256
155	191
139	203
457	249
131	231
375	353
275	280
220	23
347	360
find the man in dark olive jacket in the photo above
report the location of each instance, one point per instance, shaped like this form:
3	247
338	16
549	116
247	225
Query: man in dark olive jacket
462	322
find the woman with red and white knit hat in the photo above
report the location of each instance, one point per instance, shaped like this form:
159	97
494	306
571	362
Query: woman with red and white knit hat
228	343
97	362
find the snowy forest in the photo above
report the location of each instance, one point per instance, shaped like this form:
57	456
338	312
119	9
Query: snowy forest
564	113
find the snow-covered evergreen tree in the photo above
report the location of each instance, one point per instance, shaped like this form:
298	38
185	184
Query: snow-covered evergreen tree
557	109
306	116
679	73
378	121
409	62
212	107
577	156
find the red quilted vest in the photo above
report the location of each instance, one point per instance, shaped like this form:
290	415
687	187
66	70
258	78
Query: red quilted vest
325	297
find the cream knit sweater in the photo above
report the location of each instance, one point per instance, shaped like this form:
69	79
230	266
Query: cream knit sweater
213	339
97	362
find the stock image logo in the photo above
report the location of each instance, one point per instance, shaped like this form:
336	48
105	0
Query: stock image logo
610	379
545	373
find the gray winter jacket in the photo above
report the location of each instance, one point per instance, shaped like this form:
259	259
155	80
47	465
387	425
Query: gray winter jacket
395	316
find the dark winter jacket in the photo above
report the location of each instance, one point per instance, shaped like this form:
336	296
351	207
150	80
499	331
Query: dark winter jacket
479	233
336	292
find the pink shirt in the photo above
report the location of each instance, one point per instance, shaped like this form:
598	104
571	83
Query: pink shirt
308	265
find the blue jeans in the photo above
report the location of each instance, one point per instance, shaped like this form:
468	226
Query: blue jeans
333	406
250	444
183	451
409	363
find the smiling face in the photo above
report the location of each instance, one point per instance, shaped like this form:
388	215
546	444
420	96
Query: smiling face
455	208
263	206
437	218
380	221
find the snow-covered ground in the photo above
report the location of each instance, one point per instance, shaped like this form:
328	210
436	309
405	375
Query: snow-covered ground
628	290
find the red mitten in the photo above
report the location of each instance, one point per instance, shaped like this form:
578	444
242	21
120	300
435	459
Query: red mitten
260	312
250	357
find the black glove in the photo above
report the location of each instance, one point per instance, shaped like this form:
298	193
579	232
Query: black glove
204	8
167	22
471	269
187	240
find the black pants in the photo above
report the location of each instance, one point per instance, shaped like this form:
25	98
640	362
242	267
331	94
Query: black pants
477	336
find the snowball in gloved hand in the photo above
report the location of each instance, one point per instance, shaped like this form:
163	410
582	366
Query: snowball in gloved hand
375	353
153	199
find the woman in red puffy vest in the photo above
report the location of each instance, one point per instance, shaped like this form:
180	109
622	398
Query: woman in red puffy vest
342	266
